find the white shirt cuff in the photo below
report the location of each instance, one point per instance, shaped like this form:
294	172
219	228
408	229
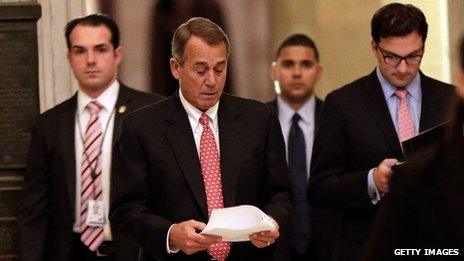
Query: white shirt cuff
168	249
372	190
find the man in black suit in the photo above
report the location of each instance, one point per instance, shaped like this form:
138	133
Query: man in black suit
53	210
200	150
295	72
363	123
423	210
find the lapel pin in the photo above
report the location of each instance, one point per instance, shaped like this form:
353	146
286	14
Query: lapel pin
122	109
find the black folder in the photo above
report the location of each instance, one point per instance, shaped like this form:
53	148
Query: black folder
424	139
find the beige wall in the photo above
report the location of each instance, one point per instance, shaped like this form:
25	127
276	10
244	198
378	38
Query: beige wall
134	19
456	31
341	30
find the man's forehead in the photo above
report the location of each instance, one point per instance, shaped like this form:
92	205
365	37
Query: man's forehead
94	35
199	51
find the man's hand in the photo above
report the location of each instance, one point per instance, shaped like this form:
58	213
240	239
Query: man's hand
265	238
382	175
184	236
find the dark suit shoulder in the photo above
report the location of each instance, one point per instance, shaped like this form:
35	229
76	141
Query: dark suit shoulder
237	105
433	82
161	105
353	88
50	117
61	107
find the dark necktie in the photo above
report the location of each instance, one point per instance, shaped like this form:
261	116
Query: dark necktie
298	178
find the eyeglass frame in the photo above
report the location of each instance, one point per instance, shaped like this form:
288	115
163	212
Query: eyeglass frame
401	58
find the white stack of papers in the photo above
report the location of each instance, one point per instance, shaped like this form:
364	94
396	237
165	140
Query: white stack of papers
236	224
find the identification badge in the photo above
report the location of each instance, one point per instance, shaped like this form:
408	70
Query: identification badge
95	213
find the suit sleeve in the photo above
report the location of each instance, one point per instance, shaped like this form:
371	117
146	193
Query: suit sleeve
130	212
280	196
33	219
331	185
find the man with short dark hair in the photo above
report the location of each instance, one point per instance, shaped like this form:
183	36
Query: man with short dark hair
363	124
67	190
201	150
423	210
295	72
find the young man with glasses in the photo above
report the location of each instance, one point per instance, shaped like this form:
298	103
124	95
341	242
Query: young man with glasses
363	124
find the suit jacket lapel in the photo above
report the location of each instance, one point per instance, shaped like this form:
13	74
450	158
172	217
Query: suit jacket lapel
317	112
375	101
67	144
429	116
229	139
121	108
180	137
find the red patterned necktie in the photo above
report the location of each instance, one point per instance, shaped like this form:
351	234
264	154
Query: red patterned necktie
211	170
91	178
404	117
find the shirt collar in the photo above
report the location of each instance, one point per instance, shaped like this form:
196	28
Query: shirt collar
306	111
194	114
107	99
388	89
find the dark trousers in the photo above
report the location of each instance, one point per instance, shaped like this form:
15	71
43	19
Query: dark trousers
81	252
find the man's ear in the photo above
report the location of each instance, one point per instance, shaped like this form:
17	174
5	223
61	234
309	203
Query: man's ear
118	55
374	48
320	71
175	68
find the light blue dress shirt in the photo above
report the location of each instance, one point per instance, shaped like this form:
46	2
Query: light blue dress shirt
414	98
307	124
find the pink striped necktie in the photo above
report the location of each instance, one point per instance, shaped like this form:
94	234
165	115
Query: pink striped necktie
211	170
404	117
91	178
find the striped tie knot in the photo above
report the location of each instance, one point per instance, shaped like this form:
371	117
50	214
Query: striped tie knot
401	93
94	107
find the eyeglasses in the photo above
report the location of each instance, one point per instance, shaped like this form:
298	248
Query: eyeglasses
394	60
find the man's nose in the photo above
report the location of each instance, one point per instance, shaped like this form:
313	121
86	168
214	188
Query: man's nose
90	57
210	79
402	67
296	71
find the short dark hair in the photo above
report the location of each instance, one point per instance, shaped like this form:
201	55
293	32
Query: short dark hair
298	40
398	20
201	27
94	20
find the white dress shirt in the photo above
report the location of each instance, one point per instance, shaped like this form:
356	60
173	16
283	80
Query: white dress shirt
108	100
194	120
307	124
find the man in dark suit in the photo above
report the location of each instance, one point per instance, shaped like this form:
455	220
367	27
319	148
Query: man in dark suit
363	123
295	72
71	154
200	150
423	210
